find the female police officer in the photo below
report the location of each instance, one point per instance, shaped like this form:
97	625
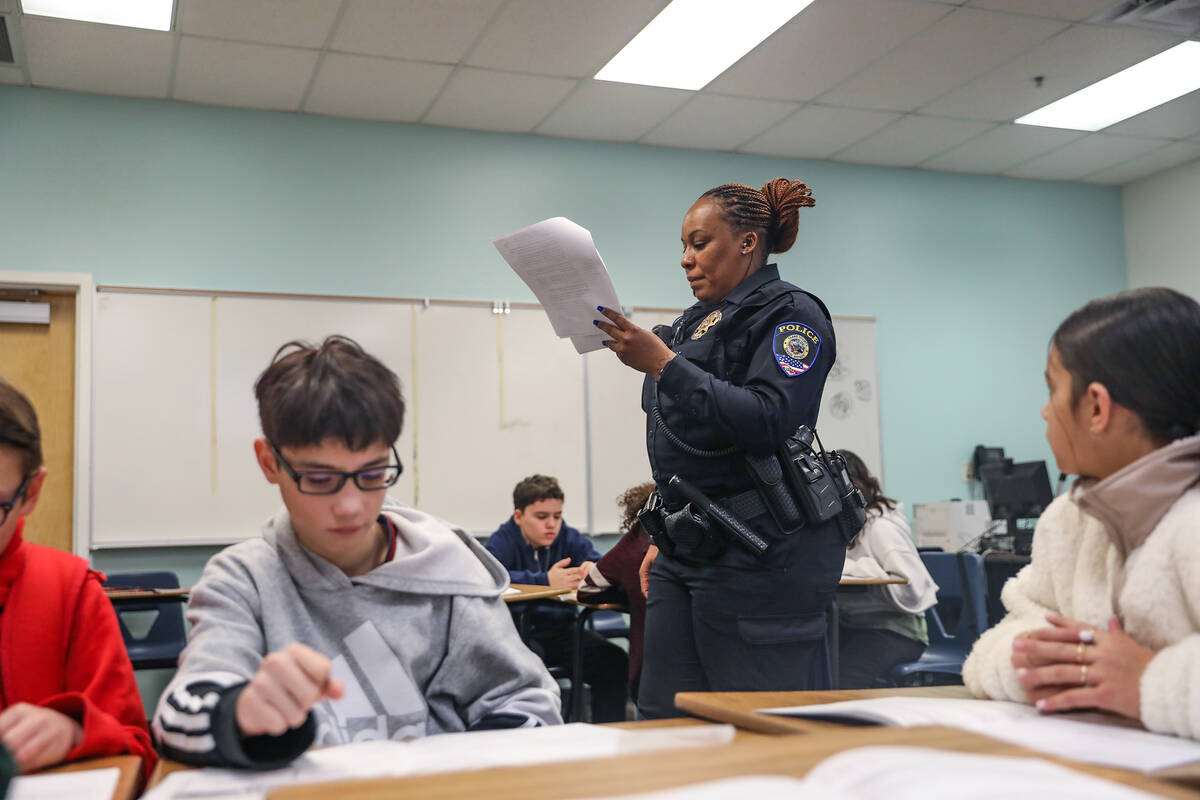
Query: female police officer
736	374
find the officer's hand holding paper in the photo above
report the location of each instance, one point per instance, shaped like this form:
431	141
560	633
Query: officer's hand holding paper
558	261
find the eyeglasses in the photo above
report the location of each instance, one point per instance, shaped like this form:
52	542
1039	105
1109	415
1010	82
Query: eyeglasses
370	479
7	507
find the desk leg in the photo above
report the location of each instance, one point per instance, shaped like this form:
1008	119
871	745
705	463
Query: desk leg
832	637
577	665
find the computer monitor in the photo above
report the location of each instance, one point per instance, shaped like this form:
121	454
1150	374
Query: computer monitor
1017	491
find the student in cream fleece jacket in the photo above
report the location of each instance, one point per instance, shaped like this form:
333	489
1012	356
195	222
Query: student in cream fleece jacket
1107	614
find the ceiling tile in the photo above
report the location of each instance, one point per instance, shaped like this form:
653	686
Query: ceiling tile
911	140
497	101
1094	152
1073	10
612	111
717	122
14	75
572	38
298	23
809	55
1002	147
818	132
238	74
86	57
1173	155
1075	58
362	87
1178	119
417	30
962	46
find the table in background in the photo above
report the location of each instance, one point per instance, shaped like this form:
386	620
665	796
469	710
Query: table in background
128	783
632	773
120	594
530	591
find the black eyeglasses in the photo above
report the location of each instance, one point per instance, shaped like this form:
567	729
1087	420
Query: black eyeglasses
370	479
6	508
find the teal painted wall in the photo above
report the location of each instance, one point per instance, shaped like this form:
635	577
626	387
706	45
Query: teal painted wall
967	275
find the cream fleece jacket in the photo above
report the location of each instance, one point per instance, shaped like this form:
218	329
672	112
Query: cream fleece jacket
1078	570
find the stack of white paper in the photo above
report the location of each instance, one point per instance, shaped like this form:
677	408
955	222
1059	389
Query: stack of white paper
451	752
90	784
559	262
912	773
1060	734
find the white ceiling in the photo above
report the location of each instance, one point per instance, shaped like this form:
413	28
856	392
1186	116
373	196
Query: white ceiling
904	83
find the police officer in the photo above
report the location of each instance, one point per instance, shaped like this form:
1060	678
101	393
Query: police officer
737	373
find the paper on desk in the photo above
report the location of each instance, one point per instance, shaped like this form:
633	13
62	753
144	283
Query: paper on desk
1063	735
89	784
511	590
912	773
558	260
452	752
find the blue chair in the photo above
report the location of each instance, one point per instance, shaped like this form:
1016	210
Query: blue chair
961	601
609	624
159	643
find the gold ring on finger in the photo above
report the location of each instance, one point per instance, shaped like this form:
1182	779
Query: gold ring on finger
1079	653
1083	675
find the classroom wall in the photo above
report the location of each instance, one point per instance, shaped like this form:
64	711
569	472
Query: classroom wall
1162	239
967	275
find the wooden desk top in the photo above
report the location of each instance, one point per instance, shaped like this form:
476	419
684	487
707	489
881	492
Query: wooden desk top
529	591
739	708
128	784
118	594
644	772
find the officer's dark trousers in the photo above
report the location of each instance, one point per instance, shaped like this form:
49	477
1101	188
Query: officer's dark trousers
741	623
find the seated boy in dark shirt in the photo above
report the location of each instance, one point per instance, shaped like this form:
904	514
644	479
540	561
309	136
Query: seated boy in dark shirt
536	547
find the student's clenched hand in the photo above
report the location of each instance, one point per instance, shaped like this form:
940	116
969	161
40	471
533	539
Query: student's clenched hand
288	683
38	737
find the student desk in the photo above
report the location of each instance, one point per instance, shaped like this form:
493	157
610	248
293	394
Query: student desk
586	611
634	772
530	591
128	783
124	595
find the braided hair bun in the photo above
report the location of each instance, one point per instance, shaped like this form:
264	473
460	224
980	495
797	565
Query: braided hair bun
773	209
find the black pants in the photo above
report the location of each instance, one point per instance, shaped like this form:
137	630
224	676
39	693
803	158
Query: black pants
867	654
605	668
741	623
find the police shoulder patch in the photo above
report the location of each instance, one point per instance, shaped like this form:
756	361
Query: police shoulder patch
795	347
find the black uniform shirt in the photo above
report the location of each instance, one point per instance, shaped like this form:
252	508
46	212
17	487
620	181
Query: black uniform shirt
748	371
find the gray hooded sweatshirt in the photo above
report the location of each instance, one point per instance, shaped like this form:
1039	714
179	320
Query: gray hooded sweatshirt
423	643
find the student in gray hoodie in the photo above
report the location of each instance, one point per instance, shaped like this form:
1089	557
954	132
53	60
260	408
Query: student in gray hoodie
352	617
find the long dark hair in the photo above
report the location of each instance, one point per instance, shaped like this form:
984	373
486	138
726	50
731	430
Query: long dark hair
1143	345
867	483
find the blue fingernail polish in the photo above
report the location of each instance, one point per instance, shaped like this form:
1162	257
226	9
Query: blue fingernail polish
599	308
595	322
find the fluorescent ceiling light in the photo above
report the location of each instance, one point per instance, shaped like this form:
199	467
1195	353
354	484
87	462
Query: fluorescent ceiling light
1170	74
693	41
152	14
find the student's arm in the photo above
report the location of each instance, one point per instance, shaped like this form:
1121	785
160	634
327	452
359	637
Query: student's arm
894	549
196	719
1028	597
489	678
507	552
101	694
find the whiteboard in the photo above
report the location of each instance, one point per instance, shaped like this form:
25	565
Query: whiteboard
491	398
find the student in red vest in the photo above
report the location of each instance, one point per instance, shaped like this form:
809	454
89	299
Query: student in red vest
66	685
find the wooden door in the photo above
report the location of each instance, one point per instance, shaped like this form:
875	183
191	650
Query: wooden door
40	361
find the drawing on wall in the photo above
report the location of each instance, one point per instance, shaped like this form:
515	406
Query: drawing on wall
862	390
841	404
839	371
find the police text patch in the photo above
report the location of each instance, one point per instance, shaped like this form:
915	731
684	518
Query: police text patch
795	347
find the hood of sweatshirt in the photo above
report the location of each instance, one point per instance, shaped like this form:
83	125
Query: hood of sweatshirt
1133	500
432	557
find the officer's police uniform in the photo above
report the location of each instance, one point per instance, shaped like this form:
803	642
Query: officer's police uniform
748	371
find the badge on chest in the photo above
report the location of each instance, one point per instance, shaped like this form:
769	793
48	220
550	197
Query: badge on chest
708	322
795	347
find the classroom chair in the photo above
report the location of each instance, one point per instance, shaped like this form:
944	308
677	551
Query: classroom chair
609	624
961	601
158	645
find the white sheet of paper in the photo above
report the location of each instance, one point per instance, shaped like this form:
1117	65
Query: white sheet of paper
559	262
90	784
511	590
1061	735
452	752
911	773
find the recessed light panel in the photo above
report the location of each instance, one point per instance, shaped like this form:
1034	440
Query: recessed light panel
152	14
1157	80
693	41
